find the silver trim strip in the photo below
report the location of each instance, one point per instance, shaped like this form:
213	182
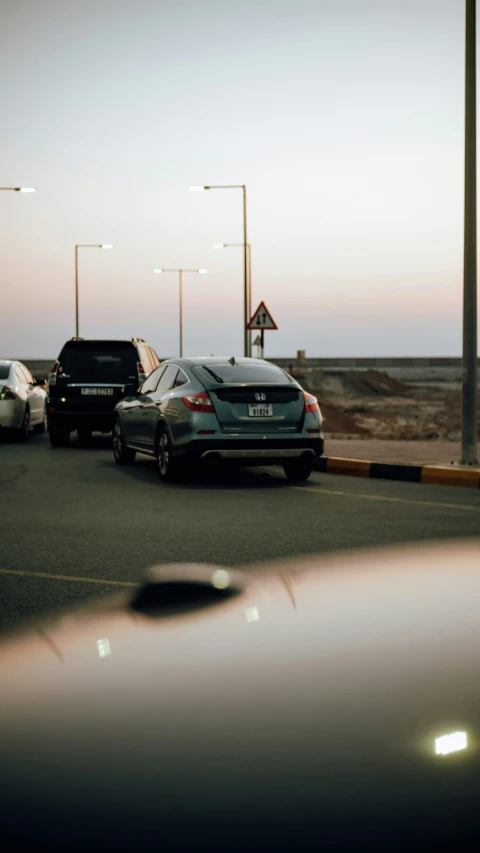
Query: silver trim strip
96	384
258	454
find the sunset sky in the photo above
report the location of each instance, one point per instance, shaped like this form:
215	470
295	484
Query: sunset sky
344	119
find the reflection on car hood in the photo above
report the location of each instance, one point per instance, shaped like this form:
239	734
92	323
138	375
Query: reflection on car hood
291	706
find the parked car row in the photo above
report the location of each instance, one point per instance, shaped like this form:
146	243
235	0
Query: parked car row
218	410
23	400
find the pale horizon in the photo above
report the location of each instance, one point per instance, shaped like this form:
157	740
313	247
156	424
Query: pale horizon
345	121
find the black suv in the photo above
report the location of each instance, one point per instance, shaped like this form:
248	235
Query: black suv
87	381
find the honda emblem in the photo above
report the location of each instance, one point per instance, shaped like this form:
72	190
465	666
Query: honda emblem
260	396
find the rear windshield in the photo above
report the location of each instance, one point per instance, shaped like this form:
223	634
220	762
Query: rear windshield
4	371
102	361
243	373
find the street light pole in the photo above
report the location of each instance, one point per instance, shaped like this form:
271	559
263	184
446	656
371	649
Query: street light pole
470	355
77	247
180	288
180	296
76	292
249	301
245	261
246	318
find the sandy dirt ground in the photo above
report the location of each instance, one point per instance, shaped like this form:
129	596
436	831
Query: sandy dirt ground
372	405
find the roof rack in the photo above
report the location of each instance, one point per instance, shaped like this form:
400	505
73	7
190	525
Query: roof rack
77	339
139	339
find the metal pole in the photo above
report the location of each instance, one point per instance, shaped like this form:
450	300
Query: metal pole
245	274
181	311
249	309
77	334
470	355
261	343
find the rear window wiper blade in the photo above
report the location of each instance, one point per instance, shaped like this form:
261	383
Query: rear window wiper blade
212	373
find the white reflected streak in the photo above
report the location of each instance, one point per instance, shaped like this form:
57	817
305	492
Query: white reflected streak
252	614
453	742
220	579
103	647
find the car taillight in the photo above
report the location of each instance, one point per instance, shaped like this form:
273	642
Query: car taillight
6	393
311	403
140	370
199	402
52	377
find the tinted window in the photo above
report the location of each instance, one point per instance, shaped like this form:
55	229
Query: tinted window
181	379
4	371
241	373
99	361
151	383
168	378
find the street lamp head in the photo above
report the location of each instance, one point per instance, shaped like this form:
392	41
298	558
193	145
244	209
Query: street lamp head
202	272
26	189
219	245
157	271
197	189
106	246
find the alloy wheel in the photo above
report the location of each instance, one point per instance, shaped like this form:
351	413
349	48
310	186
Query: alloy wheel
163	454
117	440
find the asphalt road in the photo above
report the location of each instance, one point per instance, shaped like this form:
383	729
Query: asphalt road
73	512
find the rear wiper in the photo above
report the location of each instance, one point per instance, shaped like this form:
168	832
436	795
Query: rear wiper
212	373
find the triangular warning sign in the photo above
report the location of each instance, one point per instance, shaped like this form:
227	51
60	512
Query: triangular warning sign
262	319
257	342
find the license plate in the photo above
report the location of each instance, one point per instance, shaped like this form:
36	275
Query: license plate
260	411
102	392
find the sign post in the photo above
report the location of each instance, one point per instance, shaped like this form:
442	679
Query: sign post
258	344
261	320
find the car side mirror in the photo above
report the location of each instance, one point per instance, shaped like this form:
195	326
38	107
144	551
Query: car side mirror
130	390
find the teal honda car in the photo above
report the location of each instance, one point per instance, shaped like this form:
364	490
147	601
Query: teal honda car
243	411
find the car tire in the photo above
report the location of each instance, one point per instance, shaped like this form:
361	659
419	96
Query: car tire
59	437
84	435
298	469
169	468
122	454
42	426
23	432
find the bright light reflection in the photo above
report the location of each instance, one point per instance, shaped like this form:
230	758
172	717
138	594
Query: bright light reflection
453	742
220	579
252	614
103	647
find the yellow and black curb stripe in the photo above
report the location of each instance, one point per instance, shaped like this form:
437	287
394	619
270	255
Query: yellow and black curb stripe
433	474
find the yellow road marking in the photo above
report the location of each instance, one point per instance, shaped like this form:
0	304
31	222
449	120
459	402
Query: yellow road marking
65	577
384	498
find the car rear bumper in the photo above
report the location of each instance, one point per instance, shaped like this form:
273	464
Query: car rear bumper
11	415
254	451
96	421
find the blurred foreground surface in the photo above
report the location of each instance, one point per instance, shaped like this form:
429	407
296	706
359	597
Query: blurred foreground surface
310	704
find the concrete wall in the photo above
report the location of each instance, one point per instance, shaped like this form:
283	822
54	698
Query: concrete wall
413	369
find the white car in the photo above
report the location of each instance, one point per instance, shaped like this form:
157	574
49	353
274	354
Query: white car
23	402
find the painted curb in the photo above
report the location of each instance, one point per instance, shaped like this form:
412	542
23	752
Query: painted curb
431	474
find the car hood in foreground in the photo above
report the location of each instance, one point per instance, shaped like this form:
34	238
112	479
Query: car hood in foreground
292	706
